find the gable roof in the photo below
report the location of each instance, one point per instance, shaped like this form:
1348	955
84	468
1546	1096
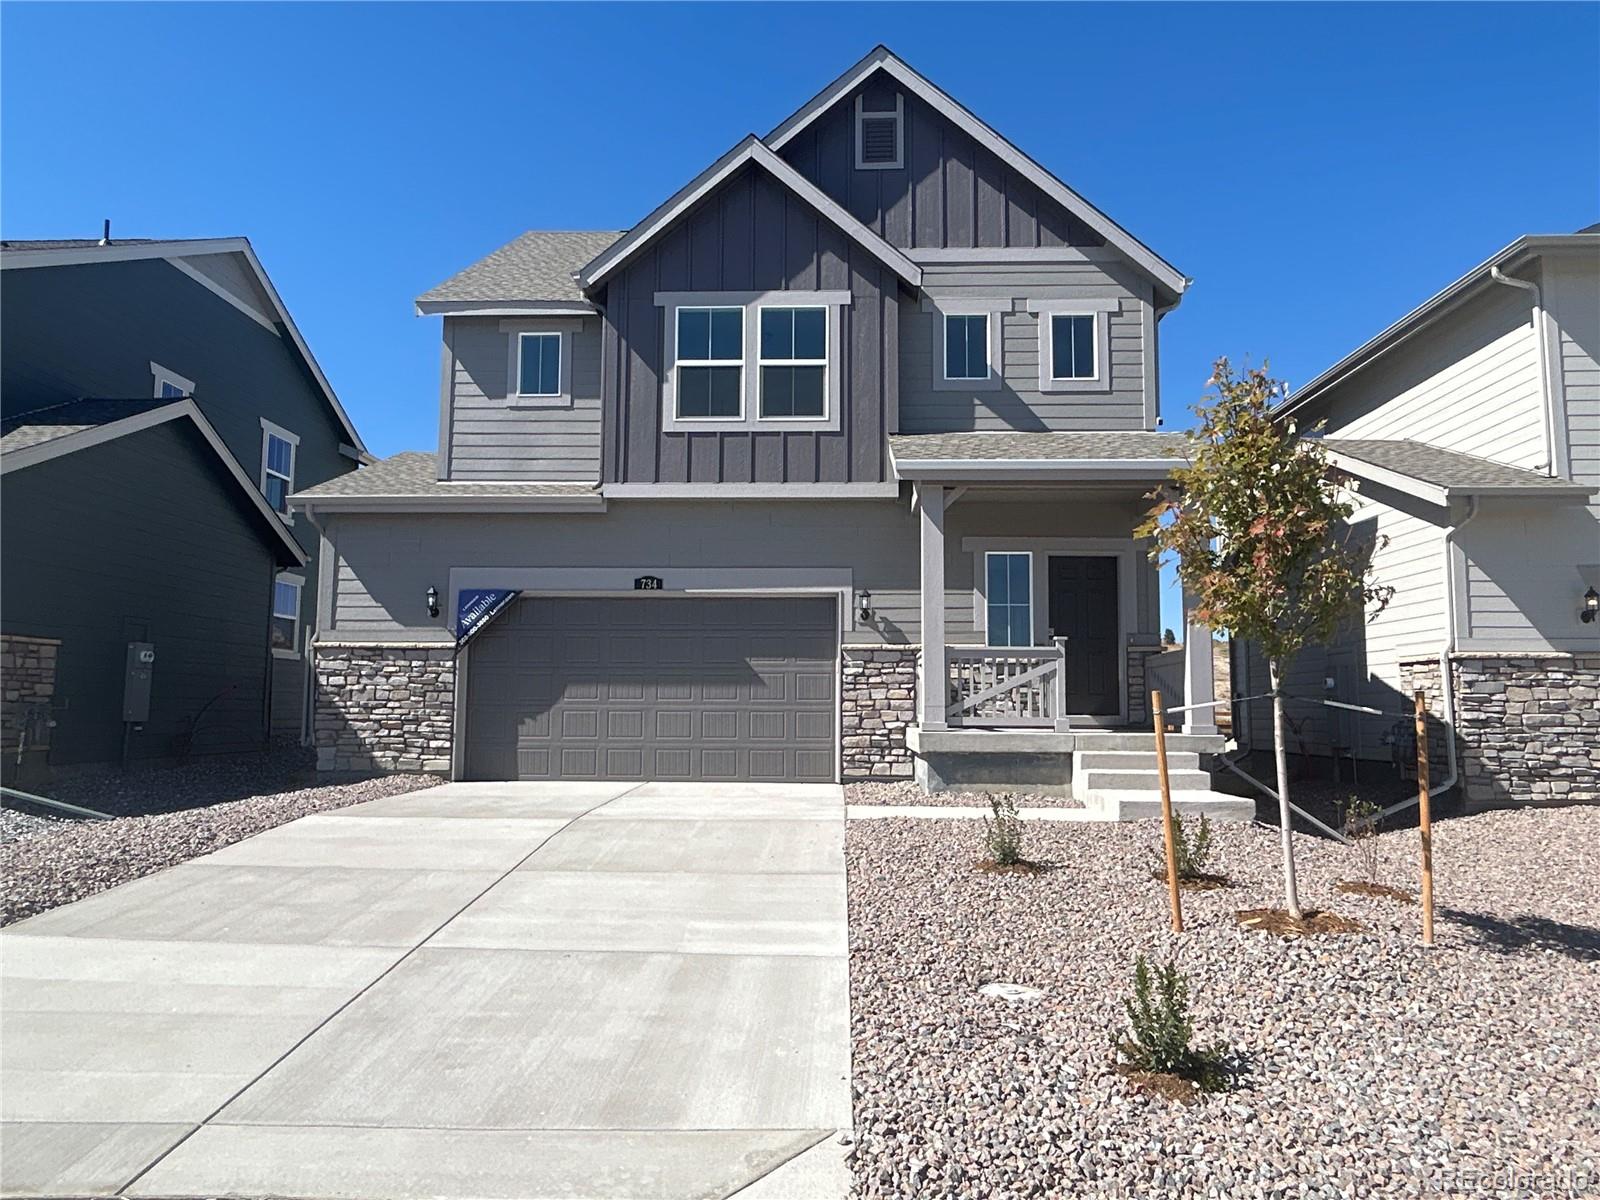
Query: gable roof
1435	307
881	58
532	274
61	252
750	150
51	433
1433	473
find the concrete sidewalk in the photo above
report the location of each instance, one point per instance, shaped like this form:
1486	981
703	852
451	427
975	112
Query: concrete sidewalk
525	991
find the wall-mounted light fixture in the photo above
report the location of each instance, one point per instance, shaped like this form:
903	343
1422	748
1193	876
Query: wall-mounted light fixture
1591	606
433	602
864	605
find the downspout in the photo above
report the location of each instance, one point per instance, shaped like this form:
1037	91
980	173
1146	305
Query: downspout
1547	403
1447	689
308	689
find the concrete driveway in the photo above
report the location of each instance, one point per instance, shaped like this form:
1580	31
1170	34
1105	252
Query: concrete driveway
479	990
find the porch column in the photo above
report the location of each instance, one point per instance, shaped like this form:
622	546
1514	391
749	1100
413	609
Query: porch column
933	686
1199	684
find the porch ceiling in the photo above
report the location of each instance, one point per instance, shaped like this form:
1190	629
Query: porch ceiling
1102	456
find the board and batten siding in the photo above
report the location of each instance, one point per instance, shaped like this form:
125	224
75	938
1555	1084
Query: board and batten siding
750	235
143	538
489	433
929	405
950	193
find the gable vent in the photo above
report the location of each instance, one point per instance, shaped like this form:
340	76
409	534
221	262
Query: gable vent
880	136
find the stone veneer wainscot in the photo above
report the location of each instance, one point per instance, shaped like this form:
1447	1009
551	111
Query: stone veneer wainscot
384	707
877	702
29	667
1528	727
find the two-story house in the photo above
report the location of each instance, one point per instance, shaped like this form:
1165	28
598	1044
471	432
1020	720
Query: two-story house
1473	427
870	400
159	406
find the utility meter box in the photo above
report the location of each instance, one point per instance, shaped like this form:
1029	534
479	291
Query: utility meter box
136	682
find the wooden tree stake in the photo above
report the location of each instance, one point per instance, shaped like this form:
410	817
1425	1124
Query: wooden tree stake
1166	812
1425	822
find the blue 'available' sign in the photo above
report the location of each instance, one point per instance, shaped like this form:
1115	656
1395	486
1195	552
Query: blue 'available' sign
476	607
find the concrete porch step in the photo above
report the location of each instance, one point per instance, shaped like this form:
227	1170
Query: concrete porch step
1133	760
1145	781
1144	806
1127	741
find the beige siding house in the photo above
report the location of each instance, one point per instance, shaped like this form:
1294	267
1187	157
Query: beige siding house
1471	431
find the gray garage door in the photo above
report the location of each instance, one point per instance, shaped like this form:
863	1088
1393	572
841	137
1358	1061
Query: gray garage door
654	687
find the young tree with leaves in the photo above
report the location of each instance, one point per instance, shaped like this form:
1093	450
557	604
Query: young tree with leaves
1258	527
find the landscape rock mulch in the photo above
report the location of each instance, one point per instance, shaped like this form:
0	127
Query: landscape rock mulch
906	792
1370	1065
46	862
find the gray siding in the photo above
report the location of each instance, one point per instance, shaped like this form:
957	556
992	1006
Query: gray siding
491	435
752	234
386	564
927	407
92	330
950	192
98	555
1572	295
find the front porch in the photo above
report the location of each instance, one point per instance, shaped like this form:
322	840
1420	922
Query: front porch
1039	613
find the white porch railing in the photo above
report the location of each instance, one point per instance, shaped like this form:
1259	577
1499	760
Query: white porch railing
1007	686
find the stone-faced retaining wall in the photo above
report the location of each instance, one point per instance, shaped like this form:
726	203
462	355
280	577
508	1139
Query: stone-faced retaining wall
28	665
878	700
1527	728
384	708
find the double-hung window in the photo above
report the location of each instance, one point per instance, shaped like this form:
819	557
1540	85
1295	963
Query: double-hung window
286	615
1072	346
1008	595
794	362
169	385
277	465
966	346
710	363
539	364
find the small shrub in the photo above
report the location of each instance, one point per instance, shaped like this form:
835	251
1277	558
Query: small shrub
1002	834
1160	1030
1192	852
1361	819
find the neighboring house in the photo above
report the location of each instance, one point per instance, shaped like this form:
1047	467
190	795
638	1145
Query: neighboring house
873	389
1471	428
158	407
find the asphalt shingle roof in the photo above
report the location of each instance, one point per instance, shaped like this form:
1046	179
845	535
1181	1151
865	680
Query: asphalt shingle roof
415	473
537	266
21	429
1447	469
1037	447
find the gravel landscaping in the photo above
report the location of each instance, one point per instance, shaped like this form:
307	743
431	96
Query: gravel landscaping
45	862
906	792
1371	1066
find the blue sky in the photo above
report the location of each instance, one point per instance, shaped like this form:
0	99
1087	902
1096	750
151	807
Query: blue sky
1318	169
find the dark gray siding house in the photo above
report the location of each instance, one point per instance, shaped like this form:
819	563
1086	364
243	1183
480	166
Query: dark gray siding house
181	351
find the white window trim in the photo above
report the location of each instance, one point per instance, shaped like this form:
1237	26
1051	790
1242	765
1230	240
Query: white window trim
995	309
983	589
898	112
278	431
823	362
742	362
515	329
165	375
1101	311
561	362
298	583
749	419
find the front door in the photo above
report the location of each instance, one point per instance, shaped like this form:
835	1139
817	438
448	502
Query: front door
1083	609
